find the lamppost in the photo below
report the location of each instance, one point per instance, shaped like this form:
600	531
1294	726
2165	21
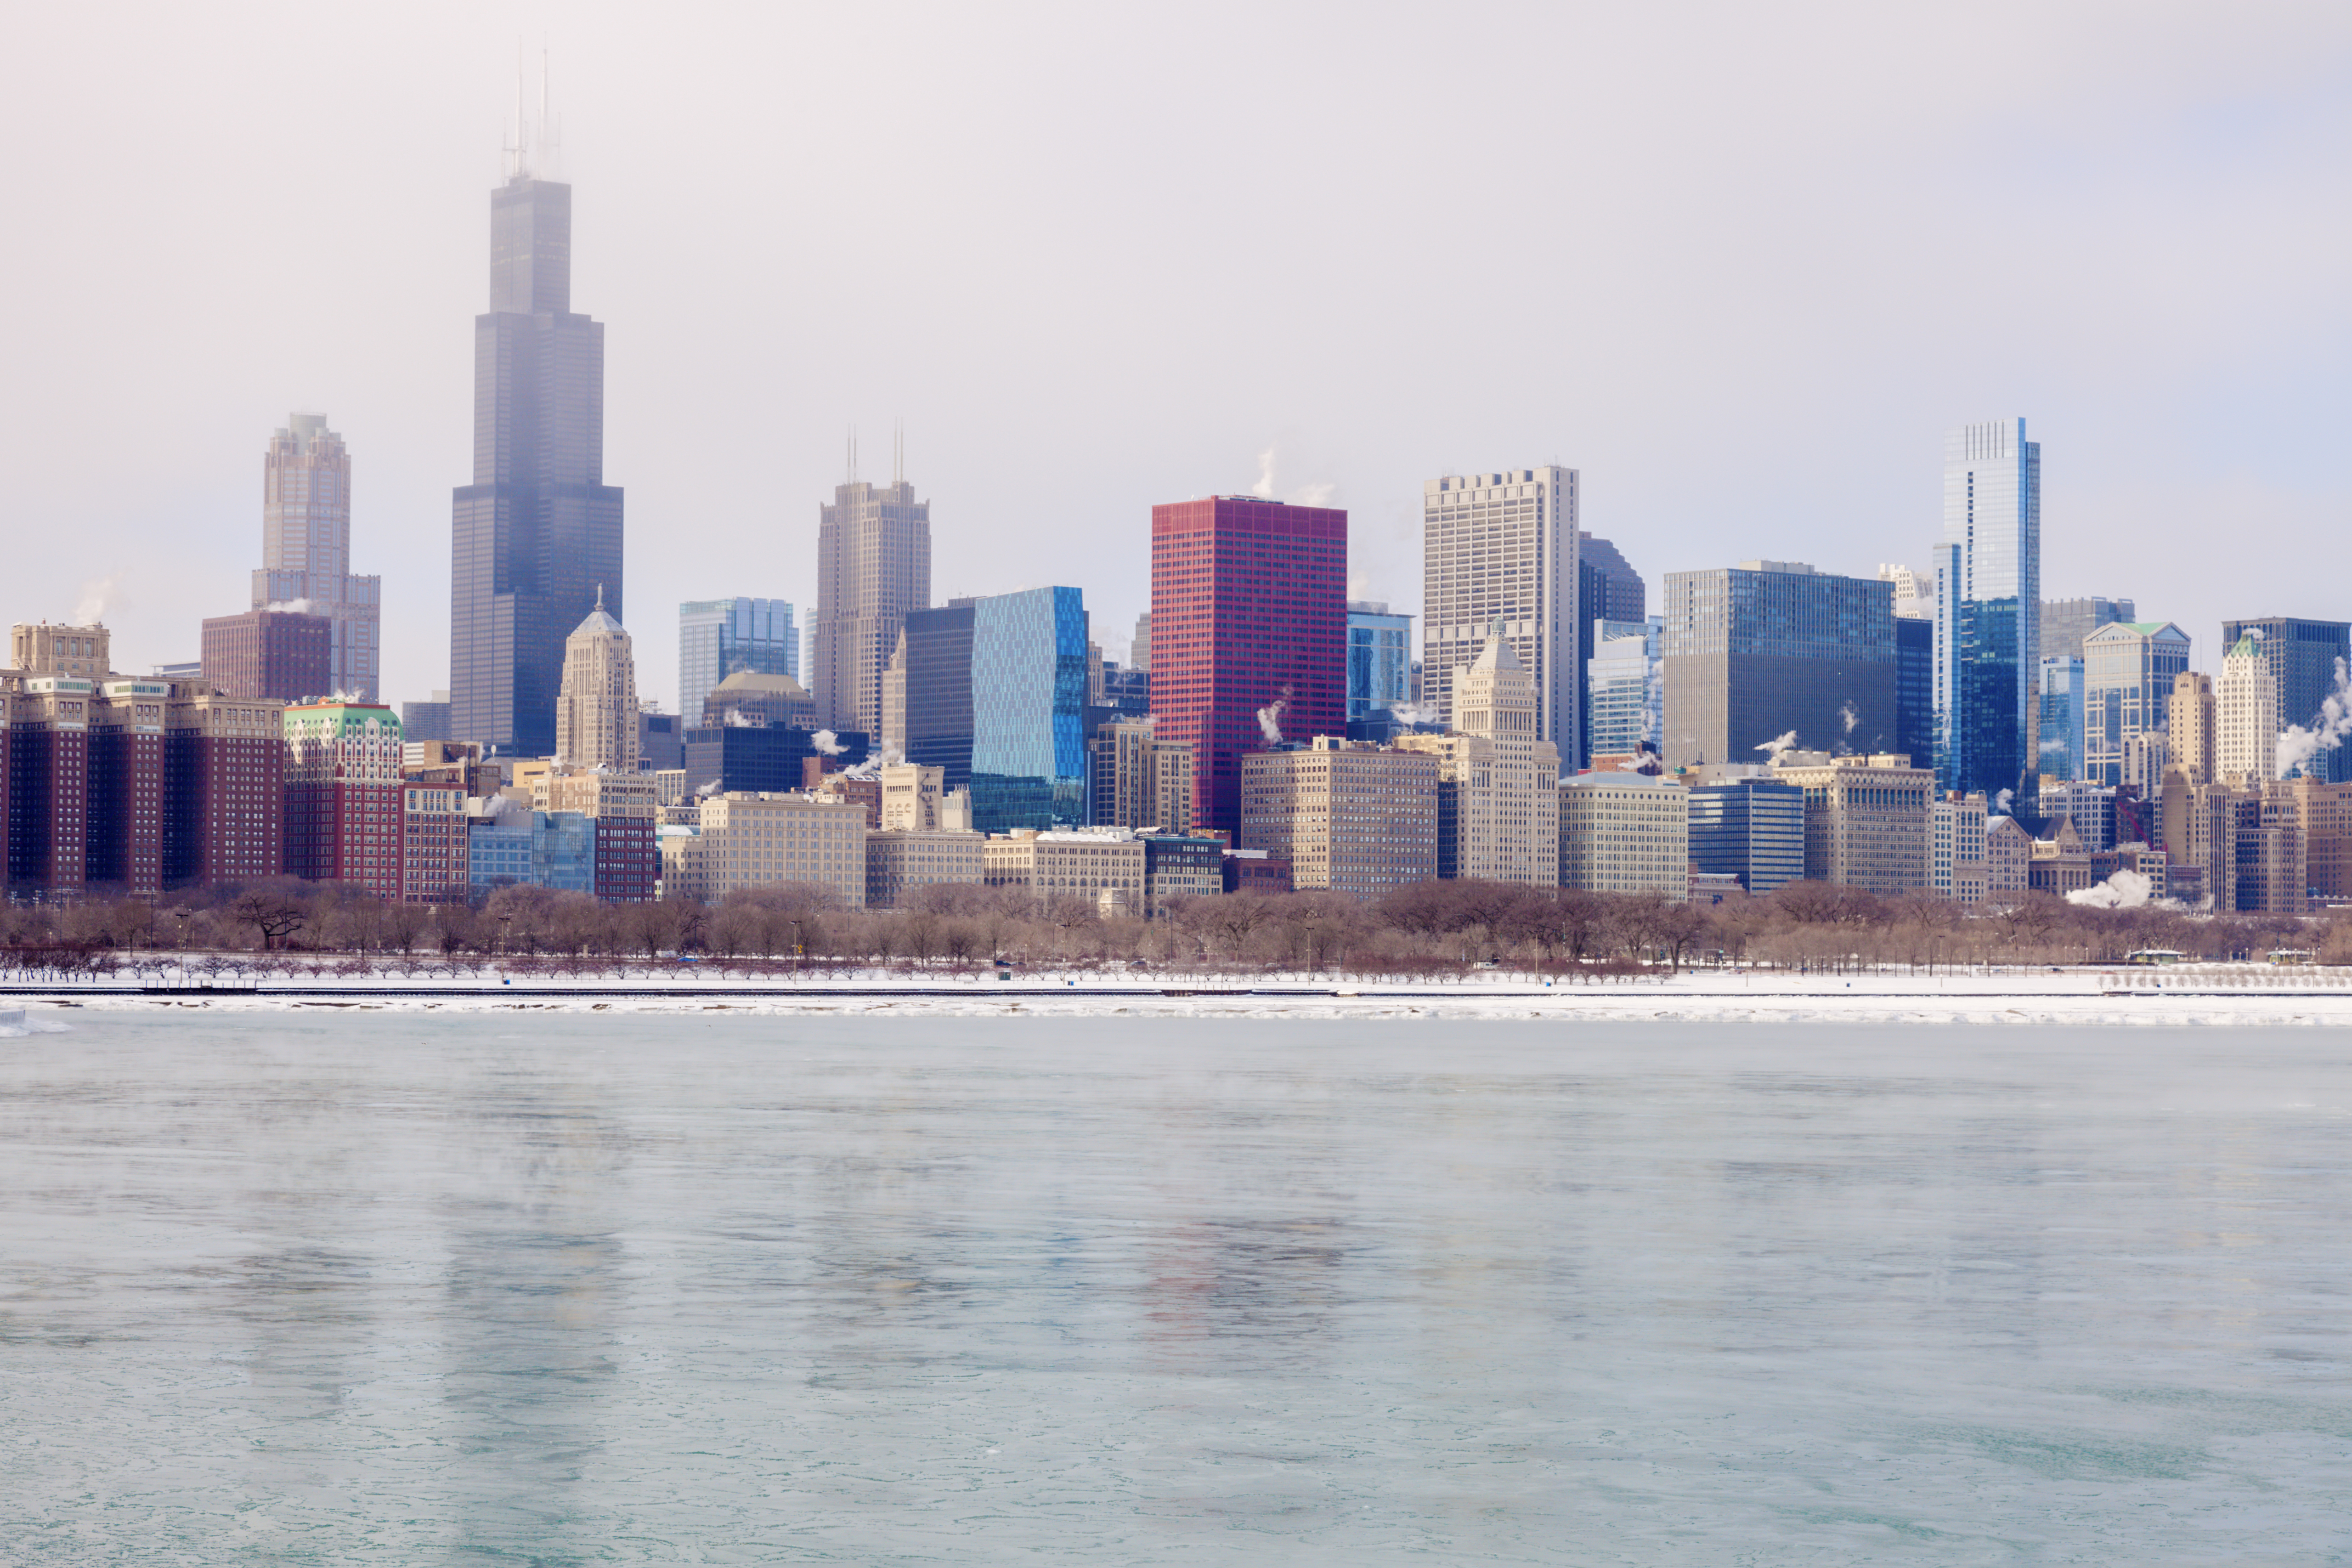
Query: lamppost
504	922
800	949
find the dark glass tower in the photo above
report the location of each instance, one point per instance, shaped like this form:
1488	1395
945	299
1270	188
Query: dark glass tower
537	533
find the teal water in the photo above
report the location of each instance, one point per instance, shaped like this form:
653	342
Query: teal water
468	1288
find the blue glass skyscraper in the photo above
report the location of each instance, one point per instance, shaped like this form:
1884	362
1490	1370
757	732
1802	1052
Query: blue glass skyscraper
1028	710
1988	609
1379	658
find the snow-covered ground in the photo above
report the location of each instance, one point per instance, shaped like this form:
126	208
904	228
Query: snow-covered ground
2188	994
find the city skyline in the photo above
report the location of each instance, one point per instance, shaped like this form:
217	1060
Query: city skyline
1671	402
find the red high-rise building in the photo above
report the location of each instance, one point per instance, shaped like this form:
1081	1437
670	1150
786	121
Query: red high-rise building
343	795
224	787
1249	616
48	783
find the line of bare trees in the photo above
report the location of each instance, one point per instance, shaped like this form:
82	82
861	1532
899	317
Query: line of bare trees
1427	929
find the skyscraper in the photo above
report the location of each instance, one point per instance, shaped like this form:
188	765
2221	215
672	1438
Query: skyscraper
1988	608
2129	670
537	533
2309	662
1249	635
596	711
1624	688
1504	544
720	637
2066	622
1498	786
934	647
874	565
1379	658
2246	721
306	553
1028	710
1607	589
1756	651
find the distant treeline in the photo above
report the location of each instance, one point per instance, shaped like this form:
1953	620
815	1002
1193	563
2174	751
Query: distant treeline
1430	928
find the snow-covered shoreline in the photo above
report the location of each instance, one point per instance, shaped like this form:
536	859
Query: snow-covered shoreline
2203	995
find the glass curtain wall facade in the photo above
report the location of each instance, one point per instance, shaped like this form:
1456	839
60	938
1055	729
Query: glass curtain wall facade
1753	829
537	533
1379	660
2060	748
1028	690
1768	650
1915	688
2309	662
2128	673
1607	589
2066	622
718	638
1624	686
938	691
1989	608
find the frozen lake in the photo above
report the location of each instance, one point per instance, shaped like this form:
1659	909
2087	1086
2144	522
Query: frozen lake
463	1288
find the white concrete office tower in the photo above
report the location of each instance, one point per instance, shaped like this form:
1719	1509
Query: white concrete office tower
720	637
1989	608
874	565
596	708
1504	545
306	549
2246	723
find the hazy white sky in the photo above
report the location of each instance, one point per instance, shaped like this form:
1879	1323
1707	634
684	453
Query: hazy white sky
1742	265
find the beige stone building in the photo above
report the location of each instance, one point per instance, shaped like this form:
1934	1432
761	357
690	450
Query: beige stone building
1624	833
2008	860
914	799
1136	780
83	652
2191	726
1100	864
2059	864
2245	741
1350	817
2324	812
1955	848
757	840
1498	784
901	860
1865	818
596	709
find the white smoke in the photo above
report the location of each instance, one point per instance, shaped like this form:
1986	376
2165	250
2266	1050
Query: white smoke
1847	716
1263	489
709	789
91	608
826	741
1269	718
2000	802
2297	744
2125	890
1412	713
1779	743
292	607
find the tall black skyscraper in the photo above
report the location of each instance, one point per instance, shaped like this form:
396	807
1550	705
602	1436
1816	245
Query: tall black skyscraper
537	533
